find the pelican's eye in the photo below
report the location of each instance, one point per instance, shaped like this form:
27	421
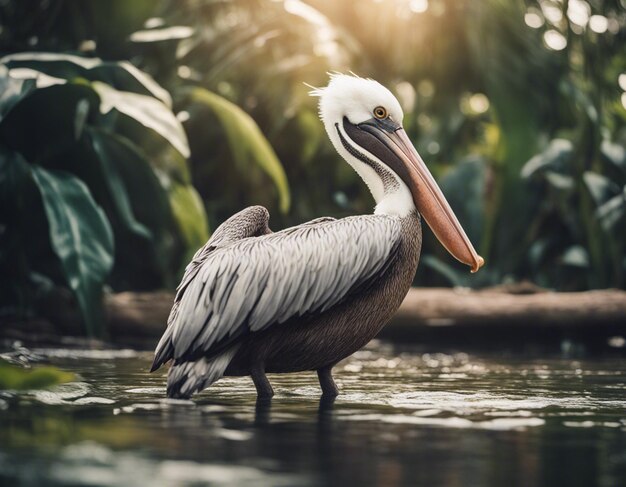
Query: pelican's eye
380	113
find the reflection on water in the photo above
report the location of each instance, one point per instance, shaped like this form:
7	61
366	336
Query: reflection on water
403	418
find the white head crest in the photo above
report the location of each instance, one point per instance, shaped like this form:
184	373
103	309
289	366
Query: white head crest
355	98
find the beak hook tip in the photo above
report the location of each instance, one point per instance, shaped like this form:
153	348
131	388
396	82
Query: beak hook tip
478	264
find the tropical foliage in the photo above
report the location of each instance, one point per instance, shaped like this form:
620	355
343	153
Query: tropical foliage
110	110
90	166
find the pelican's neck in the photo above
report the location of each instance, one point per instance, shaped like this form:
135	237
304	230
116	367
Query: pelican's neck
391	195
397	203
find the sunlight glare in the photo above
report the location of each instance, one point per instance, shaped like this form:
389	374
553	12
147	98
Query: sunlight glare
184	71
554	40
533	19
479	103
418	6
613	26
326	44
87	45
551	12
578	12
154	22
183	116
599	24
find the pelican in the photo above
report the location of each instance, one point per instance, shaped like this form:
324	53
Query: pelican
253	302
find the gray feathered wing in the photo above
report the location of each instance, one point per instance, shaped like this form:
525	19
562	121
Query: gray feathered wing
248	285
249	222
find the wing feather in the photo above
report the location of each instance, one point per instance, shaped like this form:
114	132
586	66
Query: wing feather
250	222
251	284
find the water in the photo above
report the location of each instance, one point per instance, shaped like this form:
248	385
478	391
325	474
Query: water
403	418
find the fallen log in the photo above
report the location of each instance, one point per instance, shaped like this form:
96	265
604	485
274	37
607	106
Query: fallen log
136	318
462	307
454	316
448	316
497	319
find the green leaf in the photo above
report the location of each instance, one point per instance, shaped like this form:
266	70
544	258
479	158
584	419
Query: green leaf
142	219
575	256
11	90
42	80
559	181
613	210
175	32
22	58
17	83
600	187
122	75
13	377
247	142
81	238
148	111
558	151
111	152
190	218
464	187
615	153
125	76
48	120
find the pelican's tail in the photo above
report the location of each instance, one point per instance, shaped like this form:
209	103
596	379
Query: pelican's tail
186	378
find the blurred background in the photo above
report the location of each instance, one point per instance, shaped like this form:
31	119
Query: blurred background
130	130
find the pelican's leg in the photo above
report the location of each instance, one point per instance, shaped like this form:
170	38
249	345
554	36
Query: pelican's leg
261	382
329	388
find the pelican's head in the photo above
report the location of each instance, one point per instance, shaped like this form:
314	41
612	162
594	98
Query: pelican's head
364	122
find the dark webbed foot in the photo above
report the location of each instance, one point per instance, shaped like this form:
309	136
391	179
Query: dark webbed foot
329	388
263	387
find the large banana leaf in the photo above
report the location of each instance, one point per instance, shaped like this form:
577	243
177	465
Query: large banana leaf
121	75
108	150
39	133
246	141
127	158
146	110
80	236
16	84
143	220
146	121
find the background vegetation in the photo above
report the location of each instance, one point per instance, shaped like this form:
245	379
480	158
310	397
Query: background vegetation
129	129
